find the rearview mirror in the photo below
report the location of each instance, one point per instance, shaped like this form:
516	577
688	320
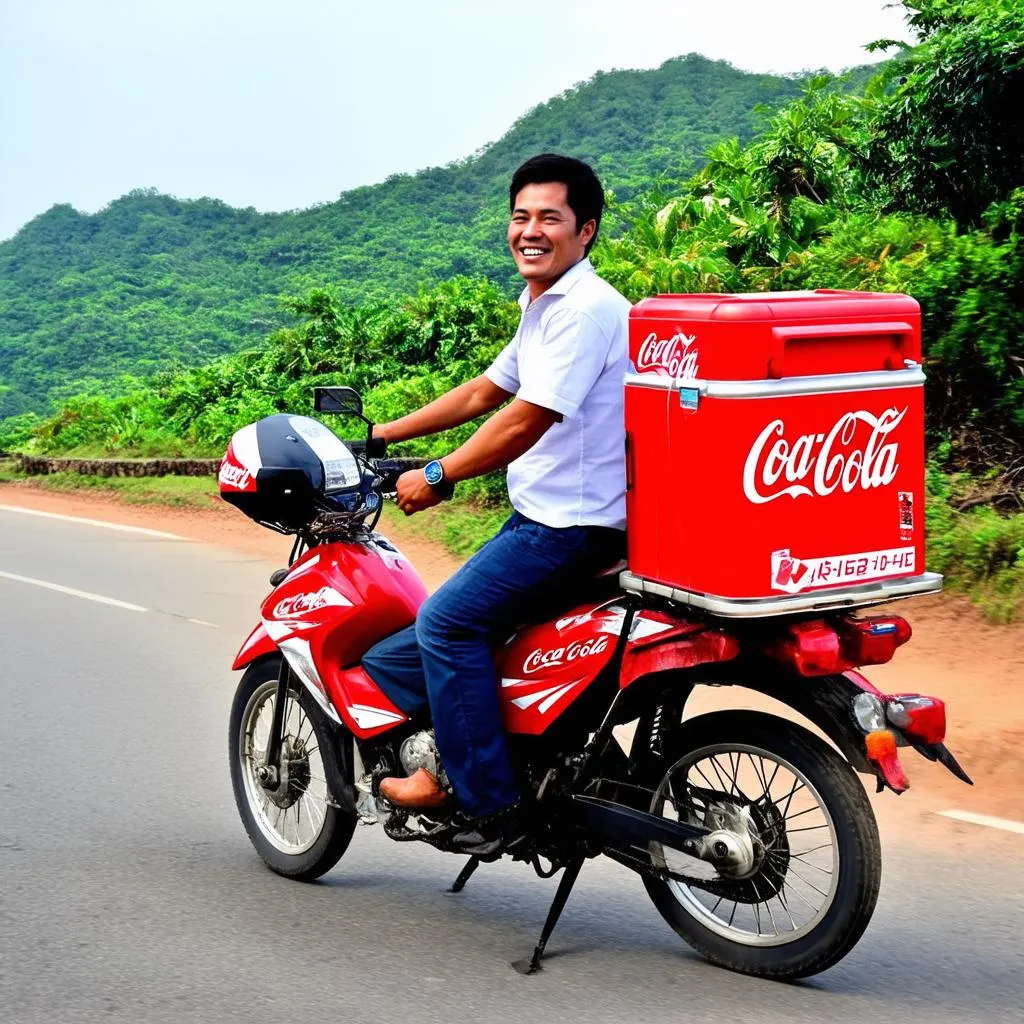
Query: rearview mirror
340	400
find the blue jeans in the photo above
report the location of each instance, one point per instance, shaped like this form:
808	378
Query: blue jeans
447	656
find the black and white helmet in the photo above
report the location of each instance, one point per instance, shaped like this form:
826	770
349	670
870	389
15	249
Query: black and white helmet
283	470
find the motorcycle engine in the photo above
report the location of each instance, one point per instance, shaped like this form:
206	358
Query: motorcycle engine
420	751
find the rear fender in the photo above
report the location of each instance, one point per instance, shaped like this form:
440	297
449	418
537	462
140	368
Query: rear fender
828	703
256	645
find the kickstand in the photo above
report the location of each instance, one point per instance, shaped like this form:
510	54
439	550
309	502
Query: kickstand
565	884
465	874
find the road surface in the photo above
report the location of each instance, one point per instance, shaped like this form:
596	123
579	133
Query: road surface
129	891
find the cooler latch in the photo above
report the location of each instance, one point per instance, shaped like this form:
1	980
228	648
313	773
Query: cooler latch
689	398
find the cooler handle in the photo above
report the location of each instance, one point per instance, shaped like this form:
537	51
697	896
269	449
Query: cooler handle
781	335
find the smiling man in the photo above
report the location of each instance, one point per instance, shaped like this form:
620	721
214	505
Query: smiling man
562	437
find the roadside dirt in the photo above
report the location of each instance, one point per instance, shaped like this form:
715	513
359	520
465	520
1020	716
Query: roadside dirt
977	668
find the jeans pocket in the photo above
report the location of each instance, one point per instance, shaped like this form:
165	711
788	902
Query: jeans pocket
556	547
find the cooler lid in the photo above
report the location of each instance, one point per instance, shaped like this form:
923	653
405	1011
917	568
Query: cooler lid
771	335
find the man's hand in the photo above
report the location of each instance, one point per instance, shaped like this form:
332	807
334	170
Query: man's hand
414	493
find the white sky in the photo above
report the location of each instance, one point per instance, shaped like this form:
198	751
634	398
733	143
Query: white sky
280	104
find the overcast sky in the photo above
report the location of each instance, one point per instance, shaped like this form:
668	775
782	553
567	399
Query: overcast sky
280	104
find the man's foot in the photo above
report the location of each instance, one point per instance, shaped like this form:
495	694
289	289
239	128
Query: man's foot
420	791
490	836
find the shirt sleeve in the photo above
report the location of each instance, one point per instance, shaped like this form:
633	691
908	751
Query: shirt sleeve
504	371
560	370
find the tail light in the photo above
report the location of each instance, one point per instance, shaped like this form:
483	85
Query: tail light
812	648
821	648
873	640
922	719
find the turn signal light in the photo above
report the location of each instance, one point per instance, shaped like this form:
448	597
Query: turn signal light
880	747
880	744
922	719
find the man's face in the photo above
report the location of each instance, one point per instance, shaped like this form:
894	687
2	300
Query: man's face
543	236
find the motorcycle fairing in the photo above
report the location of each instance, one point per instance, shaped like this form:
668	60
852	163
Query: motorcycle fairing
336	602
545	668
256	645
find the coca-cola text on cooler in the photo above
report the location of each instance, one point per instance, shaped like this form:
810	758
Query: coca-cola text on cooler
854	452
671	357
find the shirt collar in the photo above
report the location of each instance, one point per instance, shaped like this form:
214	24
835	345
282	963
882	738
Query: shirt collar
563	284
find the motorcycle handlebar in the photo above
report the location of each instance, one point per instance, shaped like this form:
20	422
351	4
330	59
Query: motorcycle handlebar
388	470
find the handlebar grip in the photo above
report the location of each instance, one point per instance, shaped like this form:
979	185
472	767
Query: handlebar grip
389	470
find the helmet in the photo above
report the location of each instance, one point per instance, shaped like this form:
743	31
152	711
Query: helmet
283	470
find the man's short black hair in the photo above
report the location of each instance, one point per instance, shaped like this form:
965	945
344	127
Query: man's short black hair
585	195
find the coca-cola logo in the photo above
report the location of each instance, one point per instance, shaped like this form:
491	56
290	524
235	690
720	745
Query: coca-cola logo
668	357
541	659
234	475
300	604
854	453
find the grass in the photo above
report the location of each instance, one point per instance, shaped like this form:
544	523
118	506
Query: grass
176	491
980	551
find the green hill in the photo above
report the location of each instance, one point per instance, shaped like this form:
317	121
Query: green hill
152	282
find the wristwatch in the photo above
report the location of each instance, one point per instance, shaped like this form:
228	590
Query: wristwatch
433	473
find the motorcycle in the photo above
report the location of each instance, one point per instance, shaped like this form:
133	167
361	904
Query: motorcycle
752	835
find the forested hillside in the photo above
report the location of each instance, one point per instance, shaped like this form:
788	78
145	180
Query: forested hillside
153	282
914	185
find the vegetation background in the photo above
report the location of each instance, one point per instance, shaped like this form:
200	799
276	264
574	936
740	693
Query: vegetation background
160	326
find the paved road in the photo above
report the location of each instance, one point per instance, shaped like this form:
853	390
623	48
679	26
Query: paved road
129	891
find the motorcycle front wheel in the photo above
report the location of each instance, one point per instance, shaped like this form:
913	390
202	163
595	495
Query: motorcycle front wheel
800	863
296	825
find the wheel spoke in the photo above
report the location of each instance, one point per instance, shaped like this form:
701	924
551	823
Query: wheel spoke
797	786
800	814
785	906
810	864
810	885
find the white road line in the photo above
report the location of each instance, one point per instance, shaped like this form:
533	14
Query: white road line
984	819
99	598
203	622
92	522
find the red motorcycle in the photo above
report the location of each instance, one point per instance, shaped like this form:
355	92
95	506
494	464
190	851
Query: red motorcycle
752	835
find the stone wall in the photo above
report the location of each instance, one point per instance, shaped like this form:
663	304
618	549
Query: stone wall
36	465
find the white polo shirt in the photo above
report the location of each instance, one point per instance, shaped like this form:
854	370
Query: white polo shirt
570	354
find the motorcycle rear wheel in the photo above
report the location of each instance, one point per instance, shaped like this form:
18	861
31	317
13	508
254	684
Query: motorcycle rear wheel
298	828
804	901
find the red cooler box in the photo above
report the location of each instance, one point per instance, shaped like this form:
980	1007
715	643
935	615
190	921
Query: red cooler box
776	451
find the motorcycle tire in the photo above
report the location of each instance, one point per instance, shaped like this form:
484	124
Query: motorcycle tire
328	826
848	828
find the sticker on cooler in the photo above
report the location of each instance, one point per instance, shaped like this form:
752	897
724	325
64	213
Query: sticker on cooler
792	575
906	500
668	357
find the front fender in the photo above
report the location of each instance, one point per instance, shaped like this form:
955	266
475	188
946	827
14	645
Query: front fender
257	644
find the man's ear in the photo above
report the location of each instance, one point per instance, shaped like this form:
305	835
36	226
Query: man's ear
587	232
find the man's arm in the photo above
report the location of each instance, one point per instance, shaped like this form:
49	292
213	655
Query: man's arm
460	405
503	438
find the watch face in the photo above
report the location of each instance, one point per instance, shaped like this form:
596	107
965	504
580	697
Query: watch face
433	472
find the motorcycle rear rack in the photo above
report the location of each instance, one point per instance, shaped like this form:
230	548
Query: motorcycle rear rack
861	596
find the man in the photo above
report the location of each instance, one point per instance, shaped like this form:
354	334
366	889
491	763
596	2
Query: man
562	438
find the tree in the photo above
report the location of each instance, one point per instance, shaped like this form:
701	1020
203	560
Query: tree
950	136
